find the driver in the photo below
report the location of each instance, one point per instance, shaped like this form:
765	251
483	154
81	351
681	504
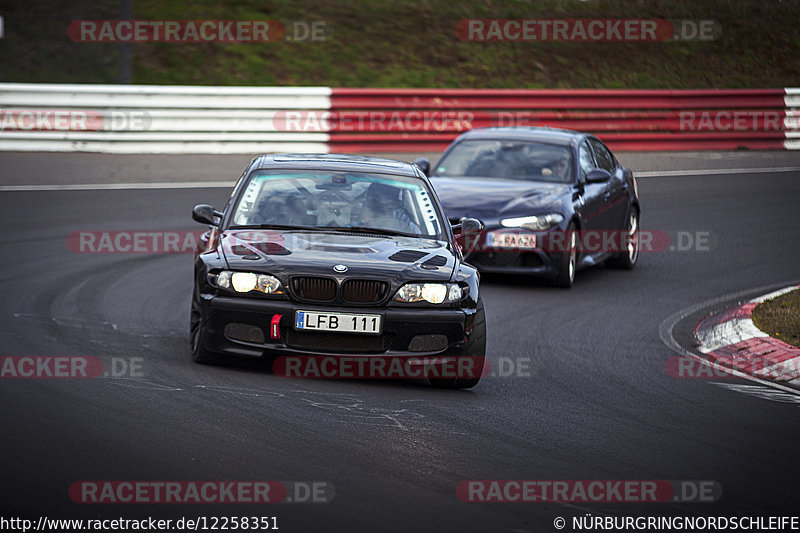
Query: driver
384	209
558	169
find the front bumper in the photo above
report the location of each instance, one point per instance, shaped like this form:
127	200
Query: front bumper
254	327
542	261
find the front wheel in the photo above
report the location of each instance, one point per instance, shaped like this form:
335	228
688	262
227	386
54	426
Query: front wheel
199	353
569	259
627	259
475	350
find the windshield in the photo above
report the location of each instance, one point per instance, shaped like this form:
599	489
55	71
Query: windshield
509	160
344	200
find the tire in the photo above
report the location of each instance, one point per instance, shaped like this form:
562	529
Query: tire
627	260
199	353
568	262
476	348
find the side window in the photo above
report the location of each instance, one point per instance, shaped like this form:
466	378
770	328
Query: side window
586	159
604	157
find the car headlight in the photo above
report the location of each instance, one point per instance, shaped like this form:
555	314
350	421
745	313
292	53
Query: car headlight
246	282
533	223
434	293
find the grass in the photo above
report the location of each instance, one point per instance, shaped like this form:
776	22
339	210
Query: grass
780	317
412	43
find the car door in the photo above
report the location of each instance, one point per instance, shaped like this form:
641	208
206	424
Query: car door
616	195
592	202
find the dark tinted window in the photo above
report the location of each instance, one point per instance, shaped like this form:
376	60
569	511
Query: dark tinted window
604	158
508	159
587	160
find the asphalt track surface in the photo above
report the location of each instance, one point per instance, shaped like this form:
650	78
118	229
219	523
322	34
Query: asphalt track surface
598	403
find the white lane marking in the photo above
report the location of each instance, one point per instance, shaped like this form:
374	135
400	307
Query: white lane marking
120	186
231	183
665	332
710	171
765	393
772	295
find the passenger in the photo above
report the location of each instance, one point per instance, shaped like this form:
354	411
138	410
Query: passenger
384	209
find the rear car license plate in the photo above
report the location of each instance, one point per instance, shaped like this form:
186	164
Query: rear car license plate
341	322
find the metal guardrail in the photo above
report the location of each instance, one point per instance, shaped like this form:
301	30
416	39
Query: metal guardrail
156	119
189	119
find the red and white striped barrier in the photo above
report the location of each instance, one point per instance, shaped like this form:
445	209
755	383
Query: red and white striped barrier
625	119
732	340
186	119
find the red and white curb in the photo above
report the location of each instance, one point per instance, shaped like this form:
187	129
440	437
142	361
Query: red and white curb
731	339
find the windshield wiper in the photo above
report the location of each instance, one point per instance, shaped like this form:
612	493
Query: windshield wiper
277	226
345	229
366	229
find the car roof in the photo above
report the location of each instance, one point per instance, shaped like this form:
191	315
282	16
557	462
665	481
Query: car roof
527	133
340	162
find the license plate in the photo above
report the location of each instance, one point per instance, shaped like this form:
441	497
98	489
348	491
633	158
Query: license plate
517	241
343	322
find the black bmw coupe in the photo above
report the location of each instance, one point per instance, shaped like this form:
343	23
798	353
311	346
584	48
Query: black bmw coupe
336	256
552	201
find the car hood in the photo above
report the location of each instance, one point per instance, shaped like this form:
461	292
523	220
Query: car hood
290	253
490	198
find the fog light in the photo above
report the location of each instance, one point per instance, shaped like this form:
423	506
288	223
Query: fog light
244	332
428	343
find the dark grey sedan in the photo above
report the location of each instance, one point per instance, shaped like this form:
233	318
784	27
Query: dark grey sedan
552	201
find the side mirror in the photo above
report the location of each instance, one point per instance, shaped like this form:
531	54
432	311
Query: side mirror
424	164
598	175
467	226
206	214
